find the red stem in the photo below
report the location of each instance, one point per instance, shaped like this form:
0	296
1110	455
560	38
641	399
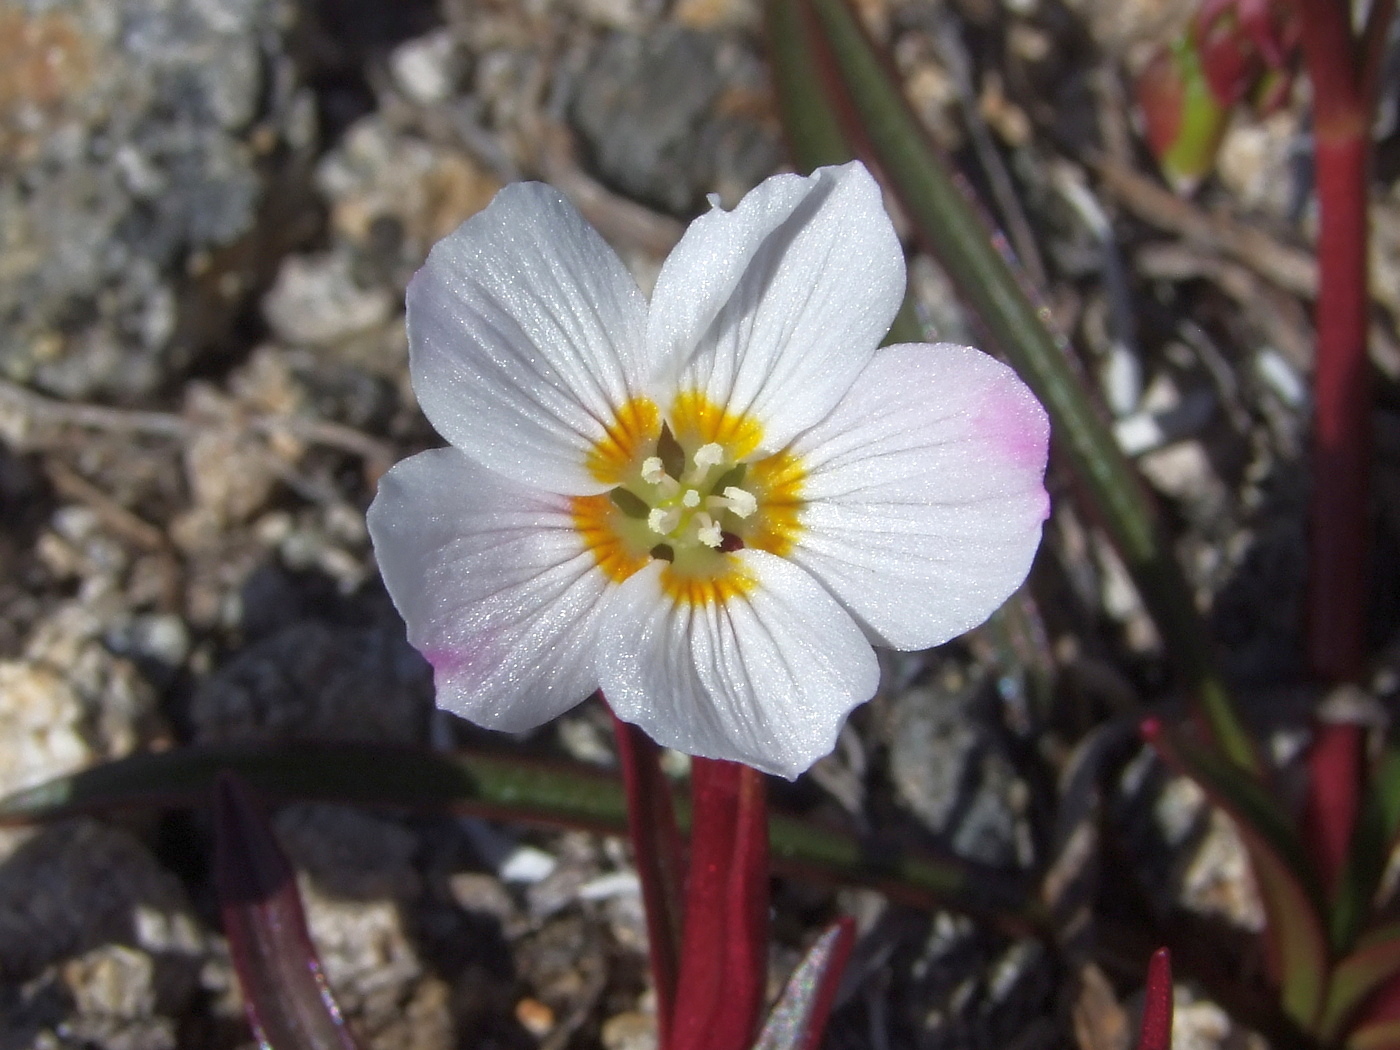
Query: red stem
724	954
1334	797
660	860
1338	581
1341	379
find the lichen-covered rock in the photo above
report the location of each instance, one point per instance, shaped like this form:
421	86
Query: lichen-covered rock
674	115
137	138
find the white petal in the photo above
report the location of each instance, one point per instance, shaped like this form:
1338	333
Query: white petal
926	494
766	677
525	338
495	585
773	309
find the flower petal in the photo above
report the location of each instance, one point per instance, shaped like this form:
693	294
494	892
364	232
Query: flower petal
764	677
495	585
773	309
925	494
525	338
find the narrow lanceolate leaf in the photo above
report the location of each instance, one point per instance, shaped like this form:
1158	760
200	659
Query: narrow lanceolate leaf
1383	1035
1298	946
724	953
799	1017
1370	847
1156	1030
285	995
507	787
656	847
821	43
1375	961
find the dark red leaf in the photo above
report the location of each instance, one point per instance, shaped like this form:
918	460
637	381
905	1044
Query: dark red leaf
1156	1032
285	995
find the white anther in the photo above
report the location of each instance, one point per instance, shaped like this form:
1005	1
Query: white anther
707	456
653	470
706	531
691	498
663	520
741	501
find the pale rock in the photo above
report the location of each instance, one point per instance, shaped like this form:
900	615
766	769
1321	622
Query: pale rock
316	300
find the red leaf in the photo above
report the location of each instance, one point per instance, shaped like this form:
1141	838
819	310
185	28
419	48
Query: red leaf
724	953
656	846
1156	1031
1229	58
285	995
798	1019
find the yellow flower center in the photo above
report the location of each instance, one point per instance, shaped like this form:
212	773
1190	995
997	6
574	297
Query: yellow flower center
689	491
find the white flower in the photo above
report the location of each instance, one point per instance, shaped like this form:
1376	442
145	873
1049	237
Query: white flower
709	506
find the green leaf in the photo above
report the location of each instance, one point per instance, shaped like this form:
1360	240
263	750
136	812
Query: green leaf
1383	1035
1376	959
1372	843
1299	950
824	61
505	787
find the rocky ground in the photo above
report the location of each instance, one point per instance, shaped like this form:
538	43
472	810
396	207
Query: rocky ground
208	213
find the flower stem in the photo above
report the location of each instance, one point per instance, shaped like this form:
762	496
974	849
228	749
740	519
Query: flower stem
1342	415
724	954
660	860
1334	764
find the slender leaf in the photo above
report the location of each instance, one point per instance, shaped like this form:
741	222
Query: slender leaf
1156	1030
820	44
509	788
656	849
285	995
799	1017
1298	945
1376	960
1372	843
1383	1035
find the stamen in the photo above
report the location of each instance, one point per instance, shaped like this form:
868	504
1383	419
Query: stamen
652	470
691	498
707	456
707	532
663	520
735	500
741	501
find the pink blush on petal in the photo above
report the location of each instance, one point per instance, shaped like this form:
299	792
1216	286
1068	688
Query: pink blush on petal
446	662
1011	422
